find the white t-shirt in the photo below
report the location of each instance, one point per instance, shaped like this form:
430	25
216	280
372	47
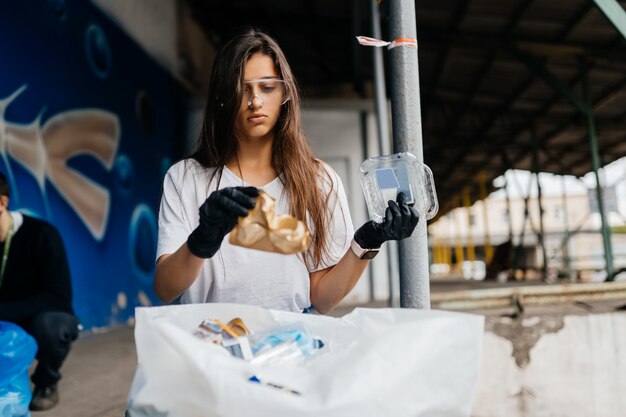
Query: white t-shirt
236	274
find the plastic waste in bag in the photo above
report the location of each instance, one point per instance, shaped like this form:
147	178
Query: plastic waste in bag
284	345
17	351
375	362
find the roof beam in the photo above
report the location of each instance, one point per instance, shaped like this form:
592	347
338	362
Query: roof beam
526	125
513	21
453	27
508	103
540	69
530	122
487	63
556	154
580	14
547	137
615	53
615	13
607	92
602	152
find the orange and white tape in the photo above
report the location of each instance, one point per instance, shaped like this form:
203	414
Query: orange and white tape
364	40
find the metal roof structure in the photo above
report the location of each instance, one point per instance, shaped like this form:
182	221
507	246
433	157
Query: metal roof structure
497	78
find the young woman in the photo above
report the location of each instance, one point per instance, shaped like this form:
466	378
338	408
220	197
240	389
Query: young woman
252	139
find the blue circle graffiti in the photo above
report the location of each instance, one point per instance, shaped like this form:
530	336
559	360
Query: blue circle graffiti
98	51
165	165
142	242
124	173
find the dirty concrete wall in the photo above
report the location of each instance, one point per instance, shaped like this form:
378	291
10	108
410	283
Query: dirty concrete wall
334	133
140	19
552	366
167	32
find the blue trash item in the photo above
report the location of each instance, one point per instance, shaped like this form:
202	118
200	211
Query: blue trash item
17	351
284	344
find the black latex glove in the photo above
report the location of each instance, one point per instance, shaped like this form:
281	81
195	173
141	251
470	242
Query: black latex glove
218	216
400	221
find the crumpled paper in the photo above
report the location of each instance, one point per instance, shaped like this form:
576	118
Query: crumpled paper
261	229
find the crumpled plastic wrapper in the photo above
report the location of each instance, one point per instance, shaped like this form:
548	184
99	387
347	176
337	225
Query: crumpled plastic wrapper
261	229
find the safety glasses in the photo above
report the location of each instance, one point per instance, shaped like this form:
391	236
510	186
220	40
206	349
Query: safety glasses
265	91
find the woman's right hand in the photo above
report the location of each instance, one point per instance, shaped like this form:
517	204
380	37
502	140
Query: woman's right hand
218	216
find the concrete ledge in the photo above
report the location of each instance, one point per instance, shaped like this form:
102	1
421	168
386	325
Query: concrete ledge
553	365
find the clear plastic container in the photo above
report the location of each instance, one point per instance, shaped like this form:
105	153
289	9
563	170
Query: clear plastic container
383	177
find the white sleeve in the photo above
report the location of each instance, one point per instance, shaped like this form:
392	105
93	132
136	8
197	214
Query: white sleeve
174	227
340	229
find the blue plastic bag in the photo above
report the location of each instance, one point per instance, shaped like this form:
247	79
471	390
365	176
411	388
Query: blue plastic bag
17	351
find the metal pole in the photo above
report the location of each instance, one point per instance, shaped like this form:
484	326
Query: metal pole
448	248
613	11
382	117
459	252
511	254
508	207
357	11
407	137
542	242
471	250
364	134
506	166
565	245
483	197
519	249
595	160
384	142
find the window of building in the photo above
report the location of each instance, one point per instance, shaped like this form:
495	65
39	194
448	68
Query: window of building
559	214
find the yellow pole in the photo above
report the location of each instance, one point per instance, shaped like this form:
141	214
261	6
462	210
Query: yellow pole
471	252
460	255
447	253
440	253
483	197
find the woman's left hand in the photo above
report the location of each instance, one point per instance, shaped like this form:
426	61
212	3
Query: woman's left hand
399	223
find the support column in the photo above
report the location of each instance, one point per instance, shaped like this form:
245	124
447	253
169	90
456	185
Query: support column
508	207
407	137
384	142
458	251
541	235
613	11
483	197
595	160
471	252
359	87
565	245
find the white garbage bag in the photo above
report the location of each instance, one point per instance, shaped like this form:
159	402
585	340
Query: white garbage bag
375	362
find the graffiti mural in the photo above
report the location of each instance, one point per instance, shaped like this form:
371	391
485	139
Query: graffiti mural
87	127
43	151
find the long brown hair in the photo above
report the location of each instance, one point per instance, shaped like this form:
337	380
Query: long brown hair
302	173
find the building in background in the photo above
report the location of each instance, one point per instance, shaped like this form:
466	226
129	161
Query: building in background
571	222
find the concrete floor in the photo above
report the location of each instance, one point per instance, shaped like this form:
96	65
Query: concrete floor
97	376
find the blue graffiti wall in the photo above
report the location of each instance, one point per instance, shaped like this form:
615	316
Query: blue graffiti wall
87	127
